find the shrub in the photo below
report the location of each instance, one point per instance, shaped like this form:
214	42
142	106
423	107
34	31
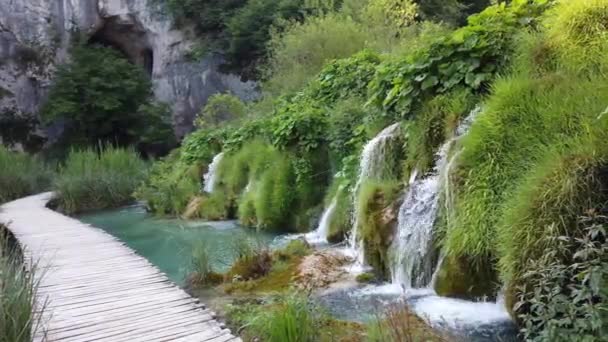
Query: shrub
21	175
564	297
92	179
18	288
99	94
170	186
221	108
469	57
302	50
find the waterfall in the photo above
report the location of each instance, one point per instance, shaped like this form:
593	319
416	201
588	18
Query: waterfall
210	177
412	253
371	166
320	234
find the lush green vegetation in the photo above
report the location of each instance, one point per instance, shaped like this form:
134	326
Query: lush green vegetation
104	98
18	289
337	73
564	295
21	175
91	179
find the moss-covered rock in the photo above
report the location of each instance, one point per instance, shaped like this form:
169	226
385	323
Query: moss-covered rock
378	211
462	277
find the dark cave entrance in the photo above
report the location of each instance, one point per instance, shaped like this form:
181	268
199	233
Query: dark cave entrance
127	36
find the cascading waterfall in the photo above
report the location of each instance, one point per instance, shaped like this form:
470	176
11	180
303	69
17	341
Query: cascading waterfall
371	166
320	234
412	254
209	178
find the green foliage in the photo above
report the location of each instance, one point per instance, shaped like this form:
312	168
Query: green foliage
294	318
300	52
200	146
275	198
21	175
300	125
565	296
434	123
504	149
221	108
348	77
99	93
92	179
469	57
19	308
297	247
170	186
577	33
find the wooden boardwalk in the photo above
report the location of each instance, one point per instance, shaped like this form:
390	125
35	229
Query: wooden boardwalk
98	289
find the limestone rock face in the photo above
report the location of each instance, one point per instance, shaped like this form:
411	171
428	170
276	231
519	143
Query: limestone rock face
35	36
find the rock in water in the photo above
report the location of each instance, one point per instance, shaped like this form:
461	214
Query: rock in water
35	36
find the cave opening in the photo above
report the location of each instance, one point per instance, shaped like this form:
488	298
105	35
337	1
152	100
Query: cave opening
129	38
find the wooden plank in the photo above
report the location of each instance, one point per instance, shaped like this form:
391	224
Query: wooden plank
98	289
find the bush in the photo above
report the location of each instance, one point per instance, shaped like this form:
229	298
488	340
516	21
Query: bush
92	179
221	108
170	186
303	49
469	57
21	175
564	297
99	94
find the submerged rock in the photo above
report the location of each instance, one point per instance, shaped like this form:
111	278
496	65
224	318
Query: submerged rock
35	37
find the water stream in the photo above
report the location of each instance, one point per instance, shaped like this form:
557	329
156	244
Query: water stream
209	178
371	166
413	258
319	235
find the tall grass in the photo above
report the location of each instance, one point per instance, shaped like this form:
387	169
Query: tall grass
19	309
21	175
295	318
397	323
96	180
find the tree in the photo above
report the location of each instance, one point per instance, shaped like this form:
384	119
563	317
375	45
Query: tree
99	94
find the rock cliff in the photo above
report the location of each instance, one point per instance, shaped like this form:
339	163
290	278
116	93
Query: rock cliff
35	36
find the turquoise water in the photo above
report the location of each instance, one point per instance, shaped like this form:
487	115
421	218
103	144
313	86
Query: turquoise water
167	243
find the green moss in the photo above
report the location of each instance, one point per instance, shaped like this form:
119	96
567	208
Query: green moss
377	217
366	278
433	124
466	279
